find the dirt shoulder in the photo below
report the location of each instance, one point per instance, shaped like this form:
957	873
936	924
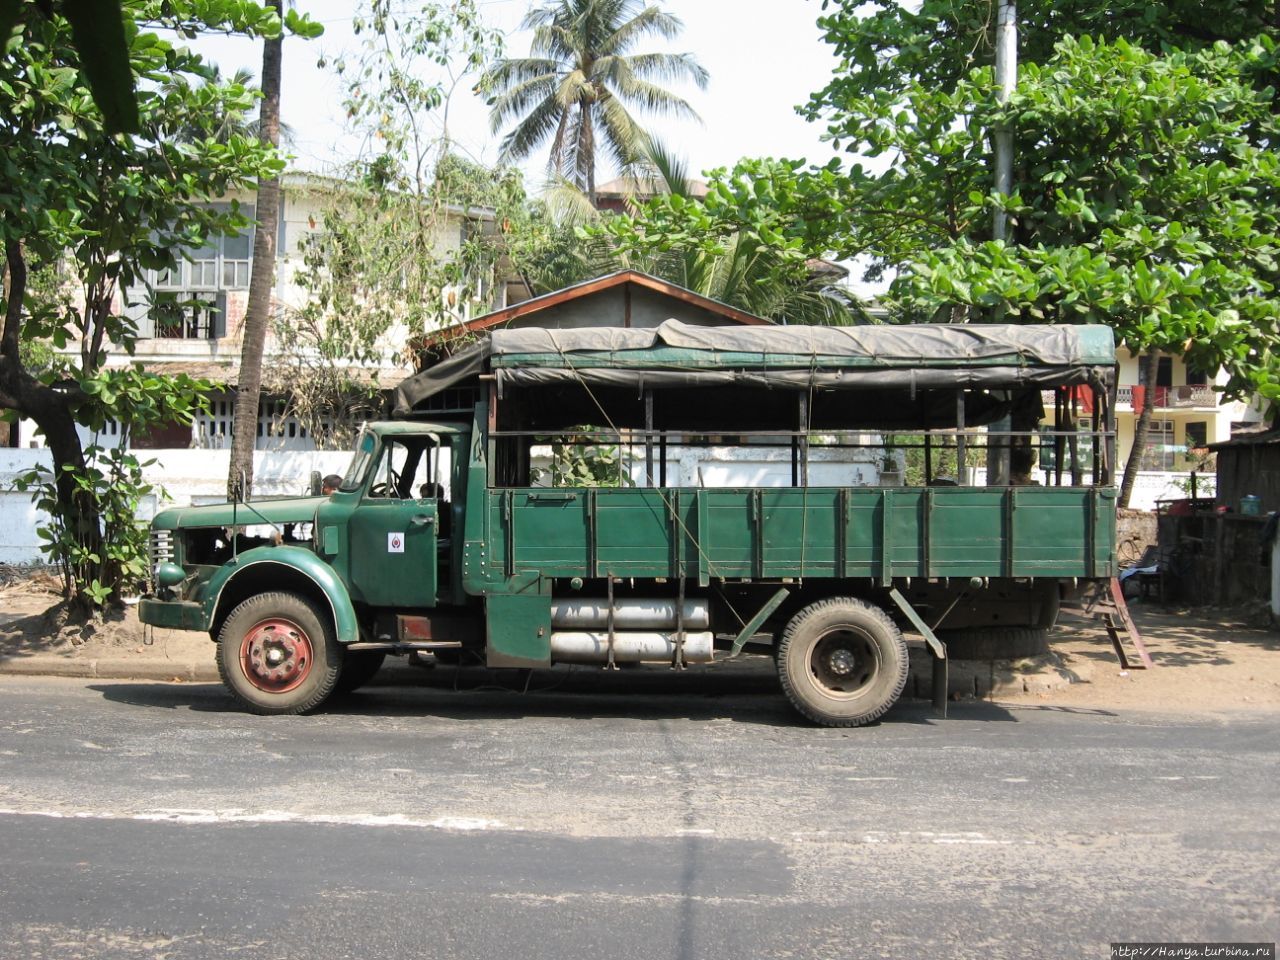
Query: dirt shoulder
35	626
1205	659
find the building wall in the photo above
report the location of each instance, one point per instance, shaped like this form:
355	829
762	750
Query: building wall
1175	410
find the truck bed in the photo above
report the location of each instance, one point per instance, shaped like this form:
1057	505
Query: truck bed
841	532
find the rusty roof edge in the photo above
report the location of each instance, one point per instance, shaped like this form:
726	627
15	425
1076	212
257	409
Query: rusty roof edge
586	288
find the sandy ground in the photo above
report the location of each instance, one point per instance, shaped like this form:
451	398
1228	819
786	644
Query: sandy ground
1205	659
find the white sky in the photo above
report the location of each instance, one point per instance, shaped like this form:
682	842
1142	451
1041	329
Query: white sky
764	56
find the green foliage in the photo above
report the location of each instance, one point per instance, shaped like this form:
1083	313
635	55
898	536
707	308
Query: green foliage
1145	189
748	243
581	460
884	46
111	559
115	561
1165	228
581	81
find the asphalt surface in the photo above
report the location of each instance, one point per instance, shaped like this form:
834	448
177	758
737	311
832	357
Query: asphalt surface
632	816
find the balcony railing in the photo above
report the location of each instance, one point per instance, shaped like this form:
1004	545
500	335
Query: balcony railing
1168	398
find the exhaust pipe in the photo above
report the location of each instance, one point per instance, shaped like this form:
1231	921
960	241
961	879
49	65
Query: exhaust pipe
592	646
628	614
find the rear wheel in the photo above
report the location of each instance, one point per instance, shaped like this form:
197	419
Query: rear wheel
842	662
278	655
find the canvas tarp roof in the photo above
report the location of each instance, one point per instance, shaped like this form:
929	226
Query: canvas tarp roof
676	354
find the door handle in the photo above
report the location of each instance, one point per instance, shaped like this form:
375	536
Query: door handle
422	520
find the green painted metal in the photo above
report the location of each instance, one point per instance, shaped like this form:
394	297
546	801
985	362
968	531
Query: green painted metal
937	646
393	552
518	629
756	622
262	563
175	615
290	510
859	532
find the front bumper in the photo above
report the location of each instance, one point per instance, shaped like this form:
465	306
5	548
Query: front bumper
174	614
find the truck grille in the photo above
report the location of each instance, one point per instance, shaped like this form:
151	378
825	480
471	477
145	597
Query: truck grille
161	547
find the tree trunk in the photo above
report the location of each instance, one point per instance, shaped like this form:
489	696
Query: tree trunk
1141	430
51	410
261	282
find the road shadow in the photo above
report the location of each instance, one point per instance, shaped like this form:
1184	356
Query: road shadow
476	694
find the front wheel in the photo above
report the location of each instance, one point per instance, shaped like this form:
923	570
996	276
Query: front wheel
278	655
842	662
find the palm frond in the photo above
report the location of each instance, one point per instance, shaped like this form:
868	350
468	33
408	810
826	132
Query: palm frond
623	138
652	21
650	97
669	67
520	100
532	131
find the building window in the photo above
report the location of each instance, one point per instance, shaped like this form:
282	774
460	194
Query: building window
1197	434
197	315
1160	452
221	264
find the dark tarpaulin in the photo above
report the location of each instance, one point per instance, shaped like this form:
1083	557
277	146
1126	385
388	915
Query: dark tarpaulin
796	357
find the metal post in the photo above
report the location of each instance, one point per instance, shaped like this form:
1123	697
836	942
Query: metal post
1006	79
648	437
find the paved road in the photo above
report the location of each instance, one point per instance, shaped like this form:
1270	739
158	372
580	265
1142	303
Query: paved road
663	818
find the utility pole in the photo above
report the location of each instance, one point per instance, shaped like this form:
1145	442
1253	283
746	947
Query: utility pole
998	465
1006	79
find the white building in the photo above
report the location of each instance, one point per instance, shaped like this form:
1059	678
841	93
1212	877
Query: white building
193	323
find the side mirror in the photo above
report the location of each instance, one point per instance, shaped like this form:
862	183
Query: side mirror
316	483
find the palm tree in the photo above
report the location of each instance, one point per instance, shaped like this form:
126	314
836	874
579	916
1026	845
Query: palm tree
580	83
261	279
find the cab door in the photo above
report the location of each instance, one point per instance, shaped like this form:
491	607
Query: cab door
393	531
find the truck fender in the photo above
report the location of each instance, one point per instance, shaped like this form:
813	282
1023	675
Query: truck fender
258	563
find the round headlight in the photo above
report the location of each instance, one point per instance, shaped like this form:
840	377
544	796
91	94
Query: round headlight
169	575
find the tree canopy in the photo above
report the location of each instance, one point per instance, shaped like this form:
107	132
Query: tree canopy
105	208
1144	192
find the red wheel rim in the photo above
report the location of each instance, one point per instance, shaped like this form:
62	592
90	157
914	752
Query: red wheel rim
276	655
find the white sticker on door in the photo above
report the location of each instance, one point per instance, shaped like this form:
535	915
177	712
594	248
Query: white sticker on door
395	543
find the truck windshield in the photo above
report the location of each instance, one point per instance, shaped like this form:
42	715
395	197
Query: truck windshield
365	447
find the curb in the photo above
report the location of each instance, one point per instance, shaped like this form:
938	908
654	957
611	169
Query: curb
110	669
125	668
992	679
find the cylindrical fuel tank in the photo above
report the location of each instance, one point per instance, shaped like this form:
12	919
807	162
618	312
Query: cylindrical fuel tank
592	646
630	613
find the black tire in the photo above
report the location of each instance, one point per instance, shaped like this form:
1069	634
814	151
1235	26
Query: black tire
358	668
995	643
278	654
842	662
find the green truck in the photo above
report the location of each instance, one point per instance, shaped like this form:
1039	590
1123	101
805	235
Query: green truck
568	496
